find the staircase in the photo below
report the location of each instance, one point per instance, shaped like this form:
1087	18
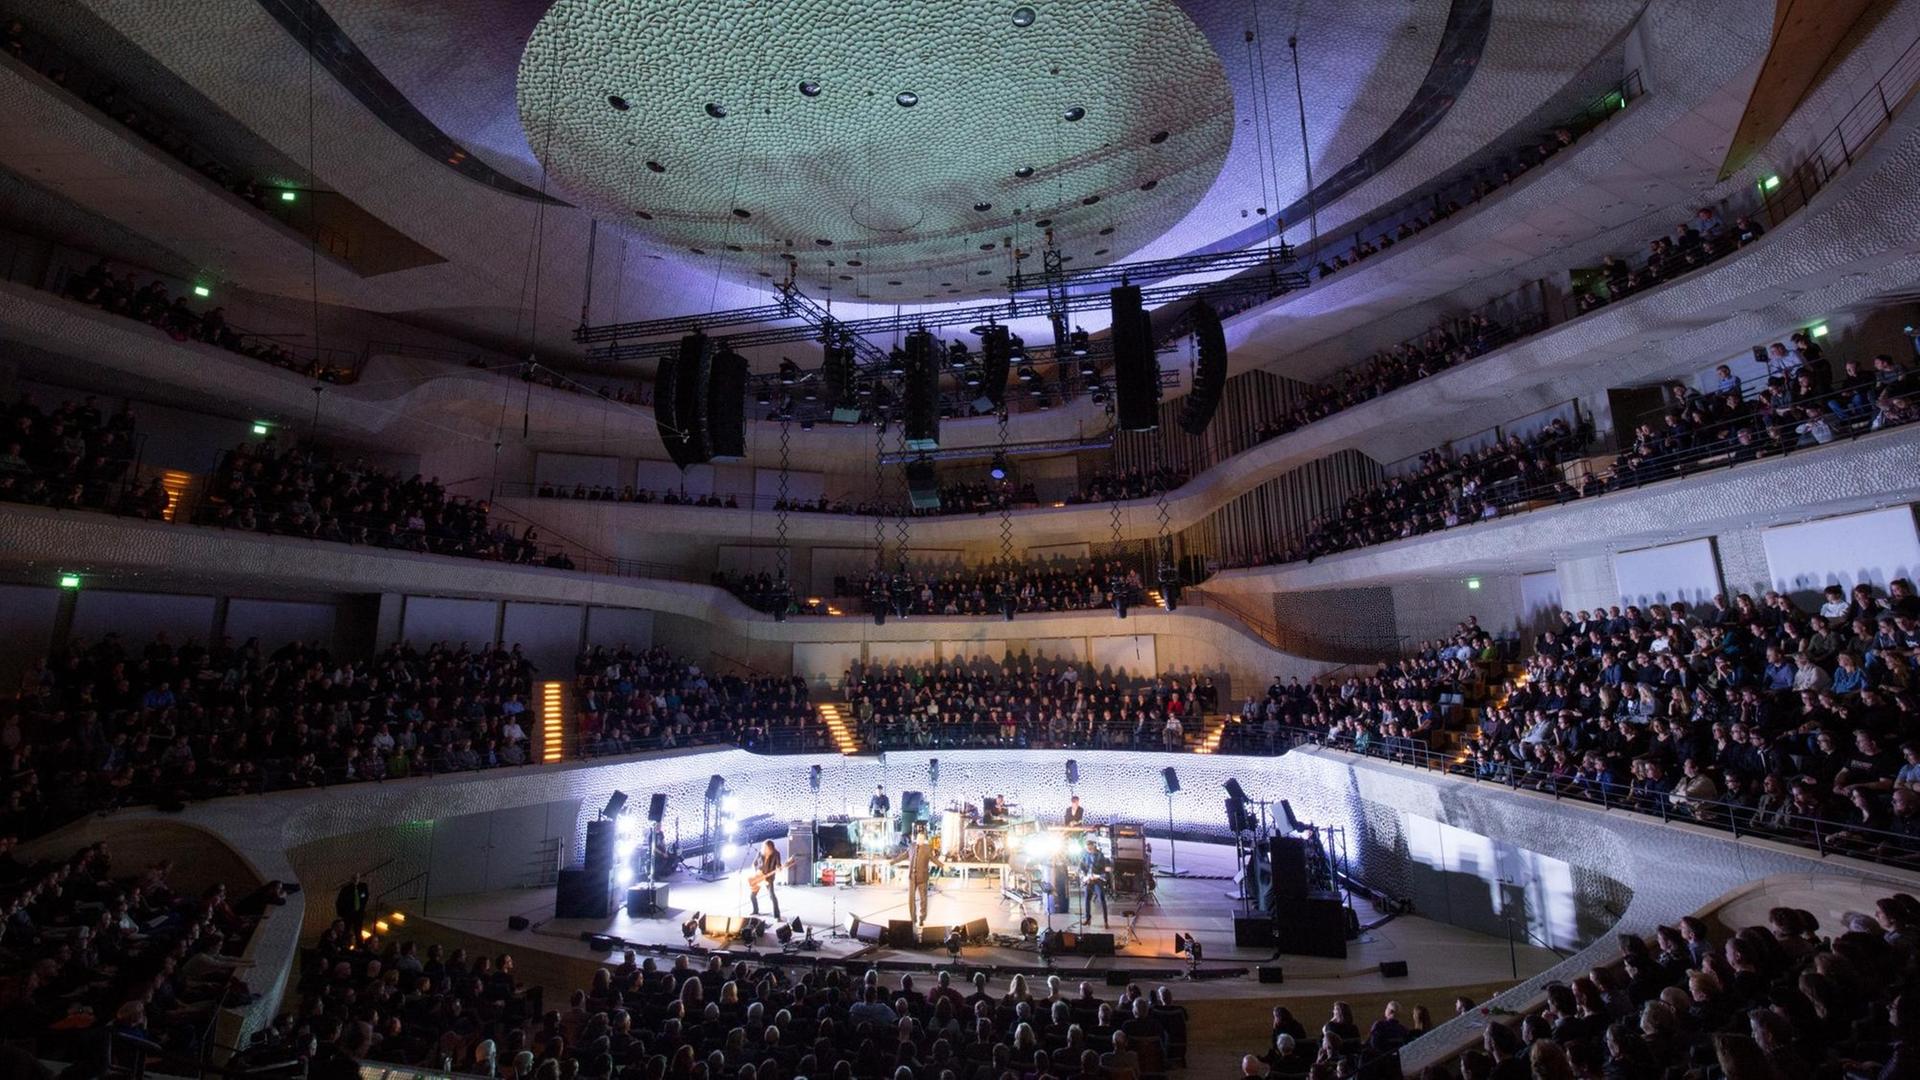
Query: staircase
1207	739
838	729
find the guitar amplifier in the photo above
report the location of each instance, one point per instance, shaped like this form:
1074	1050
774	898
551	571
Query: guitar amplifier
799	866
1128	841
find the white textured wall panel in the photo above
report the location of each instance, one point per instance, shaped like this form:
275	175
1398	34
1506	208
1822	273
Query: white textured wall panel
279	622
139	616
1874	547
1662	575
428	619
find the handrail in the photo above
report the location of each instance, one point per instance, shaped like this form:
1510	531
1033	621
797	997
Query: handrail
1870	114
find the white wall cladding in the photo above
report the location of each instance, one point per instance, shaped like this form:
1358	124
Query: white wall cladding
1661	575
1873	548
139	616
278	622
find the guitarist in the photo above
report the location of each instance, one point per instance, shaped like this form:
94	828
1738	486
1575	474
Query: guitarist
766	867
1095	869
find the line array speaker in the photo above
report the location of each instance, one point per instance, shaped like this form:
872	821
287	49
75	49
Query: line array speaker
1209	370
1136	372
837	373
920	393
923	485
996	362
599	847
680	388
727	405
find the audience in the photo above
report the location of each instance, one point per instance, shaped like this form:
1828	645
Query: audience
1024	703
87	956
628	700
296	491
75	457
994	589
955	498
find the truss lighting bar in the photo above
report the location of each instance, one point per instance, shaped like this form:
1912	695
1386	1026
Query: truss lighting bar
1004	311
1031	449
1159	269
680	325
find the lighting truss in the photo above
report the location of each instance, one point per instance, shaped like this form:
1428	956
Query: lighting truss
1275	260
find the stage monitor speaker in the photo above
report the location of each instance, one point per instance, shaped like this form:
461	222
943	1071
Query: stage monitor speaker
599	849
583	894
1272	973
920	392
996	362
1313	926
1209	370
721	926
727	406
1171	779
517	922
1393	969
870	932
977	932
601	942
900	933
1289	857
646	898
1136	371
1119	976
680	400
923	484
1254	933
934	935
1094	945
657	807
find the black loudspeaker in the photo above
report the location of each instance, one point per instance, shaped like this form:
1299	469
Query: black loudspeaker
934	935
1236	816
647	898
1073	771
871	933
1313	926
599	852
1119	976
977	932
680	390
1255	933
923	485
584	894
1094	945
1234	789
1171	778
600	942
1272	973
1393	969
657	807
920	392
716	786
1288	855
996	362
900	933
1136	372
616	802
1209	370
517	922
727	406
913	805
837	369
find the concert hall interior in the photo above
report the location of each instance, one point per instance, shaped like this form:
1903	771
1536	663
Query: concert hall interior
960	539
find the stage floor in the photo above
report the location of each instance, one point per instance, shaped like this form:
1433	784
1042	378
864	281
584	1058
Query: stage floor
1199	902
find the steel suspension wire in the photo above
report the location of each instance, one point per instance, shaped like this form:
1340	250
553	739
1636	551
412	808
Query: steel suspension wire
1306	152
1006	499
901	522
879	500
783	557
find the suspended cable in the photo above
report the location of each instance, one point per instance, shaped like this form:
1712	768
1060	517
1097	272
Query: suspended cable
1306	152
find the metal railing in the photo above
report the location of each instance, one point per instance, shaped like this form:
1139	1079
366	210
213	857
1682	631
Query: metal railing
1835	154
1339	648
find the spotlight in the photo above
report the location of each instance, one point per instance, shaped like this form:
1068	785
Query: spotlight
784	935
764	397
1027	374
1029	926
1077	342
1087	368
728	851
998	470
954	941
691	928
1016	350
789	372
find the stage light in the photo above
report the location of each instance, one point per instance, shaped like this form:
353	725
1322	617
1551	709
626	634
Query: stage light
691	928
1016	349
728	851
1027	374
789	372
954	941
729	805
381	925
1029	926
784	934
998	470
624	875
1077	342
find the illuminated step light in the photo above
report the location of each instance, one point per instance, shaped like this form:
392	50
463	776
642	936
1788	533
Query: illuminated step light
288	196
261	427
202	291
1770	183
1820	331
69	581
1473	583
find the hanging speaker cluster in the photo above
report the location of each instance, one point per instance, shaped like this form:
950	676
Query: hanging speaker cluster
699	402
996	363
920	392
1209	370
1136	371
838	372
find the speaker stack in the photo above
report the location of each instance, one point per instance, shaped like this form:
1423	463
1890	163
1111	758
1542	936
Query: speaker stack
1136	371
727	405
700	401
920	393
996	363
1209	370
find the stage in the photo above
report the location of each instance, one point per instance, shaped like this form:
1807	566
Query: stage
1198	901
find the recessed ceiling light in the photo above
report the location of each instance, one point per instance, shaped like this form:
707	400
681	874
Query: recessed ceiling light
983	207
1089	200
742	214
618	102
809	89
789	256
846	277
1159	137
906	99
654	166
1043	222
1023	171
824	242
894	283
696	251
1108	231
643	215
1149	185
735	247
855	262
716	110
982	273
1101	251
1023	16
986	247
1075	113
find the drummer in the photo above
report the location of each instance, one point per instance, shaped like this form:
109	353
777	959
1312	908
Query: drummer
994	810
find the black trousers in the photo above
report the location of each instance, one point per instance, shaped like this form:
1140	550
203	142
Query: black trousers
771	895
